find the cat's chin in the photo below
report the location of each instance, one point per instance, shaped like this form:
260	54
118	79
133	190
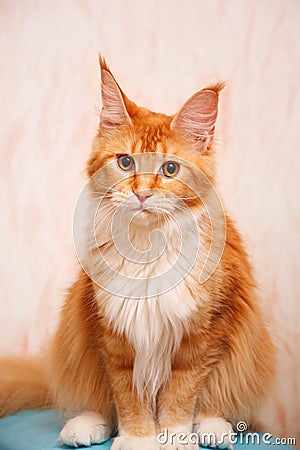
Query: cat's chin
144	217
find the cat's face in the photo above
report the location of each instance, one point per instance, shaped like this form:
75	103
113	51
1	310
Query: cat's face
151	199
151	165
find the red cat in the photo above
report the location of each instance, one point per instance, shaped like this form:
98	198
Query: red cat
160	331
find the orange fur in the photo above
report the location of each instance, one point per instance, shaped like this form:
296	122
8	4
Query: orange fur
223	363
24	385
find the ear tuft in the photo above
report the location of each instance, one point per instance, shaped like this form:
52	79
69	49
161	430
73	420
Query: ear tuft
103	64
197	118
114	113
117	109
216	87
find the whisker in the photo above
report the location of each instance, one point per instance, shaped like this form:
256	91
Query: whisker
189	198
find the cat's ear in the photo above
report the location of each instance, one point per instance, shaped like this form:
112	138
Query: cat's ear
114	112
197	117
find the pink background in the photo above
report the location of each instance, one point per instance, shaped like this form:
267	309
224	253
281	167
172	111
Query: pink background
161	52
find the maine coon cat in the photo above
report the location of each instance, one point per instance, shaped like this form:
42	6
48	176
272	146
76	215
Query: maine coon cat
144	343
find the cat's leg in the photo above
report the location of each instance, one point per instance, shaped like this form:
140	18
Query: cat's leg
227	397
178	427
176	404
135	415
77	377
95	423
232	391
212	410
136	424
85	429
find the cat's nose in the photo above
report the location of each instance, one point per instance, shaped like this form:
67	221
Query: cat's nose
143	195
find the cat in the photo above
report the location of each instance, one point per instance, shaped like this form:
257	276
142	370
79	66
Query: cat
162	330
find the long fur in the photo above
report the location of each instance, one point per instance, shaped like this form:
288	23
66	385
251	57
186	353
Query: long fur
198	350
24	385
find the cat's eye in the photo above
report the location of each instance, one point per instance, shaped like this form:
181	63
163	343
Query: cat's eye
125	162
170	169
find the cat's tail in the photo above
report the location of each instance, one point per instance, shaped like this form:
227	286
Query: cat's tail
23	385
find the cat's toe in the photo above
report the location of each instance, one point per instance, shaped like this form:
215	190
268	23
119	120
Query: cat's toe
214	432
135	443
86	429
175	445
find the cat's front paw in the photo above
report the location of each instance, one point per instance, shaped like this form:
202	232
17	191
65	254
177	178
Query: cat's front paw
214	432
135	443
86	429
178	443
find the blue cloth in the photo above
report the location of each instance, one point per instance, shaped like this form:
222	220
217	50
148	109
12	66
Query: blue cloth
35	430
38	430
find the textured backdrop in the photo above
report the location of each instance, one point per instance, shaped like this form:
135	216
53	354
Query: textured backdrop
161	52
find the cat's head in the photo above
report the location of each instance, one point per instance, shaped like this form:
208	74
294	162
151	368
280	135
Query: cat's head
149	162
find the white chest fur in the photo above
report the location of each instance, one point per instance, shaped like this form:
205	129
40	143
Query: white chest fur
147	297
154	327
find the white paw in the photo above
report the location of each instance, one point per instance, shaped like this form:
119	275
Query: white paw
86	429
135	443
214	432
180	443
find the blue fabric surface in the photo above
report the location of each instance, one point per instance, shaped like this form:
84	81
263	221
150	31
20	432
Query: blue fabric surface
35	430
38	430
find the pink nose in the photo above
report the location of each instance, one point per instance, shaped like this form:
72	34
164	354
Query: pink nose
143	195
